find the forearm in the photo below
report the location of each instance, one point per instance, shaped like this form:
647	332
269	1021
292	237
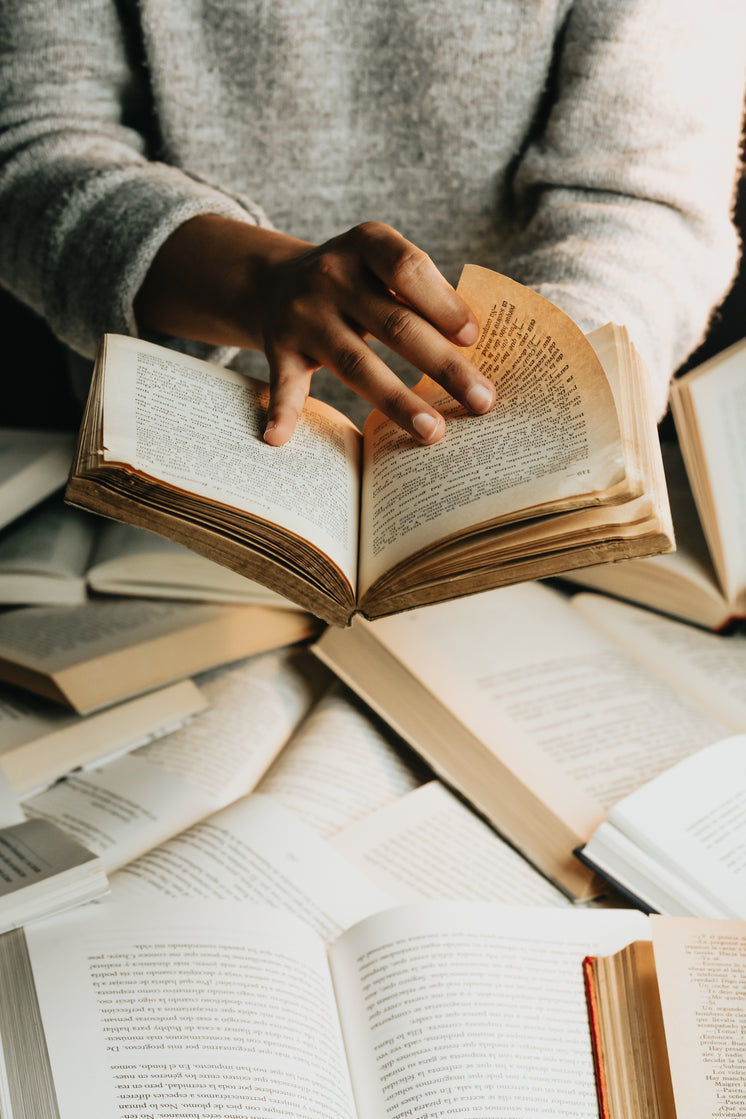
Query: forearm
205	280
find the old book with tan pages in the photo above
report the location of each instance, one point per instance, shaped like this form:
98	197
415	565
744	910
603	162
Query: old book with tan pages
565	471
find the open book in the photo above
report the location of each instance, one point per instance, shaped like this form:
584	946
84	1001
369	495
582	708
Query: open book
33	464
564	472
449	1008
125	807
704	581
678	844
40	741
544	711
55	555
107	650
668	1021
43	870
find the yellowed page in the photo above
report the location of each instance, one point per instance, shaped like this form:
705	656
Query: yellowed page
53	638
701	968
197	427
553	436
428	844
471	1009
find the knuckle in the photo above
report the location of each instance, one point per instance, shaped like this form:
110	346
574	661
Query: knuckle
350	364
408	264
451	371
372	230
397	326
325	269
393	402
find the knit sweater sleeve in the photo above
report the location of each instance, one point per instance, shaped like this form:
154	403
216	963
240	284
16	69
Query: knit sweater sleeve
84	207
627	189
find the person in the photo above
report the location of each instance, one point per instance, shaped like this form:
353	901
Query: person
587	149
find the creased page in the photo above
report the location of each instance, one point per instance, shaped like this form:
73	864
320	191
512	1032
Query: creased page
701	968
472	1010
255	850
124	808
340	765
428	844
553	436
185	1009
198	427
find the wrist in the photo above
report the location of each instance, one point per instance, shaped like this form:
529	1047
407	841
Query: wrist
205	281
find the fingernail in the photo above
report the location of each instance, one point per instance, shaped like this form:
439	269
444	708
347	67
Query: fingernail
424	425
467	335
479	399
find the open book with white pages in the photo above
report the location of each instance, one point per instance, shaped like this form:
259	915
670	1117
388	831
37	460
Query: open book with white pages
678	844
446	1007
544	711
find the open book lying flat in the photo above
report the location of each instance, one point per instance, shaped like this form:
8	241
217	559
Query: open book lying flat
668	1021
452	1009
677	845
565	471
542	711
56	555
704	581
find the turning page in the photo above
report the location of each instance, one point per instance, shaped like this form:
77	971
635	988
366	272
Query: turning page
552	439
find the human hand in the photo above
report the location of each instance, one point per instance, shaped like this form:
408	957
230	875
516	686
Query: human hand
230	283
317	305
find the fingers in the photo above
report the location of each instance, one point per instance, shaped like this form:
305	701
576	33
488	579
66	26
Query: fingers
411	336
290	379
412	275
363	371
316	306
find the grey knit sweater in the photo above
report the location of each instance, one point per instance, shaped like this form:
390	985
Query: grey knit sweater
585	148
